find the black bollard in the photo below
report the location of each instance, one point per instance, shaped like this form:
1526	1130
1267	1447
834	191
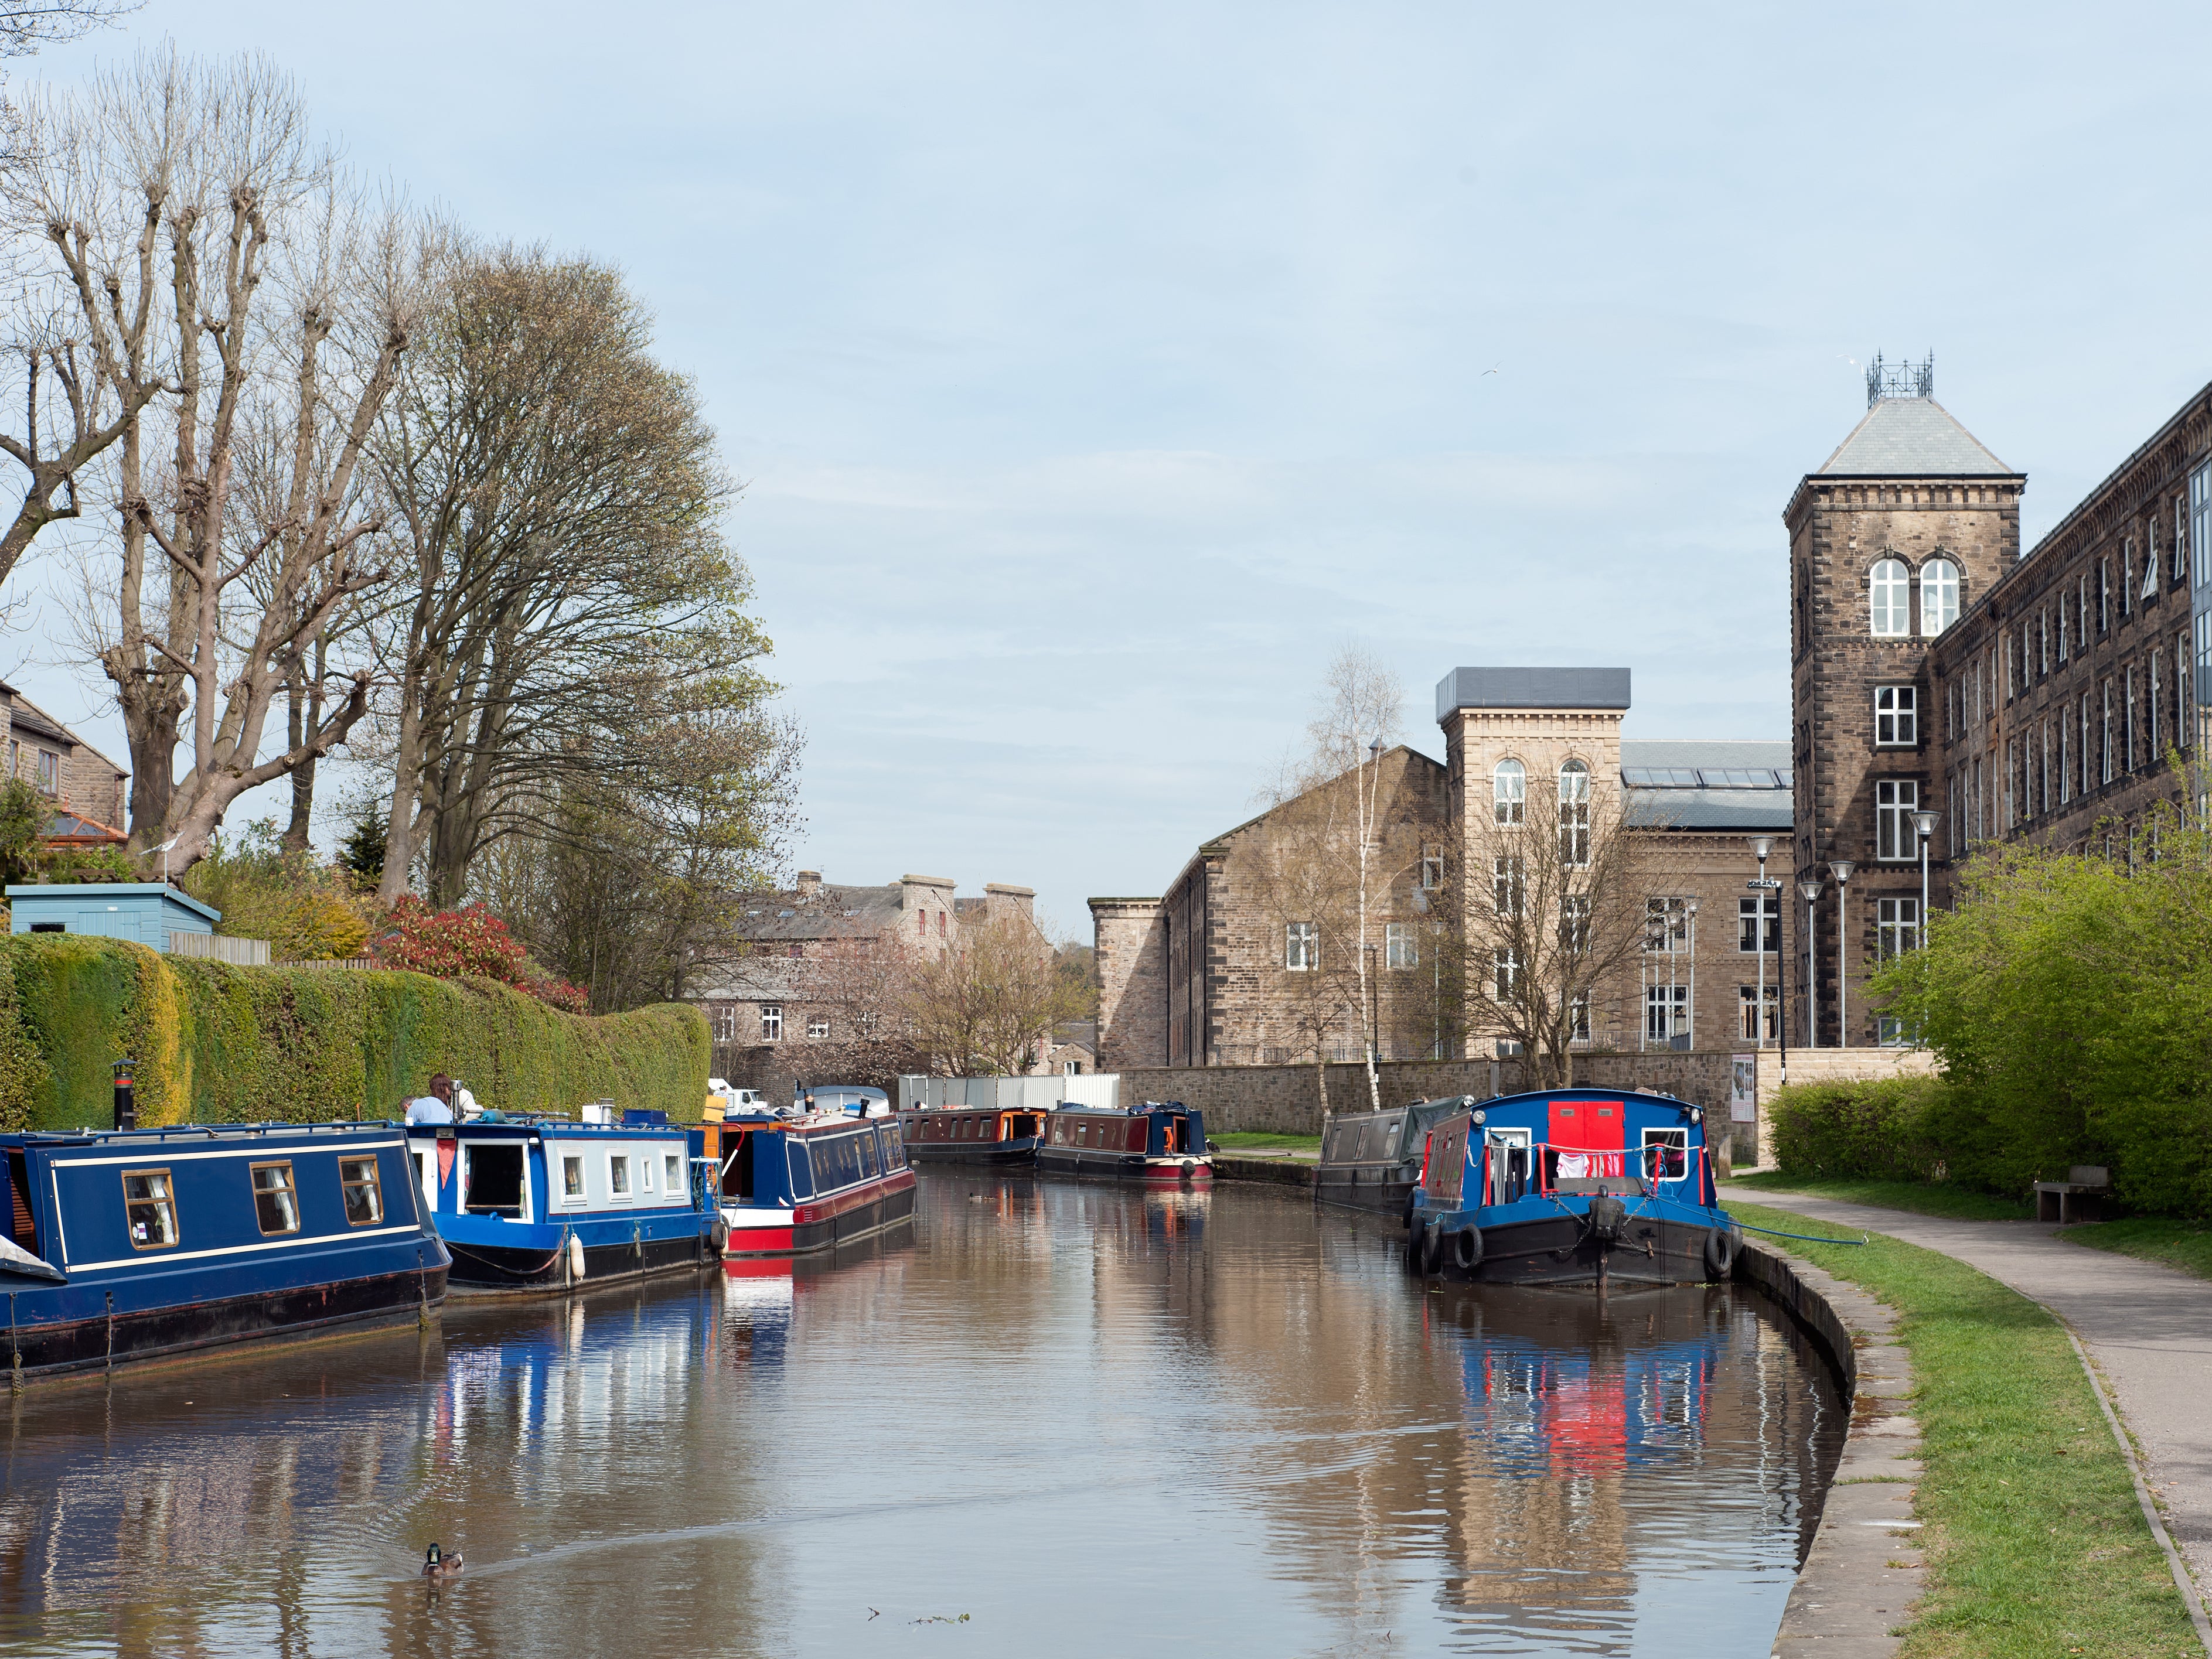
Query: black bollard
126	1109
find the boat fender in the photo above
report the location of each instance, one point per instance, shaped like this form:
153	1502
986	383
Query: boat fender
1466	1249
722	1235
1432	1247
1609	1218
575	1256
1720	1252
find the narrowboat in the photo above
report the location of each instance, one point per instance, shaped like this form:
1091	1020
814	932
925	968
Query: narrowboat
1162	1143
1373	1160
971	1135
1571	1187
530	1205
785	1186
133	1244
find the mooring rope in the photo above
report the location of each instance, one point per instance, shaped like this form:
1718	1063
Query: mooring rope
1809	1238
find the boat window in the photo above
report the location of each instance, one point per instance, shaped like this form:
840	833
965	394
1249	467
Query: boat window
150	1207
19	1194
572	1178
864	1146
645	1172
1666	1154
1083	1131
894	1146
275	1205
802	1170
492	1181
618	1174
671	1165
364	1194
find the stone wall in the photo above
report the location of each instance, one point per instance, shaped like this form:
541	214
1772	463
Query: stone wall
1287	1099
1128	936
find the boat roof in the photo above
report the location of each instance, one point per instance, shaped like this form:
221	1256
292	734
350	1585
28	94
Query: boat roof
1140	1111
542	1123
155	1134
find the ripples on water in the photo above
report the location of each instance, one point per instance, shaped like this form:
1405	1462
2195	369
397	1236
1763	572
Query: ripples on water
1094	1420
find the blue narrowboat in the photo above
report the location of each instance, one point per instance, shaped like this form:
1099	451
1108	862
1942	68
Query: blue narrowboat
1571	1187
789	1185
971	1135
126	1244
529	1205
1162	1143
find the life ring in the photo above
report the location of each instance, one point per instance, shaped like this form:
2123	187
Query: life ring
1432	1247
720	1233
575	1257
1720	1253
1466	1249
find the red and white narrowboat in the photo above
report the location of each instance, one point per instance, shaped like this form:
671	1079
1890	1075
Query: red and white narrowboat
786	1186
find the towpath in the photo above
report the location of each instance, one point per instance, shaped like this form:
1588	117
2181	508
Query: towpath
2148	1327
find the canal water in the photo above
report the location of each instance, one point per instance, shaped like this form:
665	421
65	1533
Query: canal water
1048	1417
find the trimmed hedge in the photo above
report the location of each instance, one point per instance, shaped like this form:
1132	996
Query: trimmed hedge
1889	1129
215	1043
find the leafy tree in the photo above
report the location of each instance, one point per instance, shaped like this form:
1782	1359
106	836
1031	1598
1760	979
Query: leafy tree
24	815
471	940
988	1006
307	910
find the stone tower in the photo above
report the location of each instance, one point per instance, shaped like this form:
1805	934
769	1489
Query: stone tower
1902	528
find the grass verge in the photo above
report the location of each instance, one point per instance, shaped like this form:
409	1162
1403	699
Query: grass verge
2034	1542
1922	1200
2181	1244
1253	1140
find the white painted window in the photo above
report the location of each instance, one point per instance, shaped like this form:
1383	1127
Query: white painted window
2046	765
1939	596
725	1018
817	1027
572	1178
2127	572
1896	717
2088	747
1578	1017
2081	633
1506	973
1889	599
2128	719
1666	1011
771	1022
1301	946
1398	950
1895	800
618	1176
1432	867
2180	537
2062	631
1746	998
2043	643
1509	791
1574	815
1509	885
2150	559
1896	926
671	1172
2104	595
1574	923
1667	926
645	1172
2104	747
1747	925
1666	1154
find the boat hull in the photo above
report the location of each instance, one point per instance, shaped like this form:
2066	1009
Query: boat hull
1020	1152
850	1216
1561	1250
37	1351
1389	1194
1107	1164
500	1270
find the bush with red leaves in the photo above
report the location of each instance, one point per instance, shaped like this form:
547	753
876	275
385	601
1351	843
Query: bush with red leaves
448	943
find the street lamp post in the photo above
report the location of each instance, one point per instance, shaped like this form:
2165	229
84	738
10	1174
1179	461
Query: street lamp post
1760	846
1810	891
1690	908
1924	826
1841	870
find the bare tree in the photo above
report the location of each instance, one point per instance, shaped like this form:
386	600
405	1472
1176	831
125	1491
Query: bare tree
273	305
1553	908
991	1001
28	25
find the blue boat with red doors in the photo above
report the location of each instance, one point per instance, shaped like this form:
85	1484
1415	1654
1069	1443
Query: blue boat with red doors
1571	1187
1161	1142
971	1135
785	1186
135	1244
533	1204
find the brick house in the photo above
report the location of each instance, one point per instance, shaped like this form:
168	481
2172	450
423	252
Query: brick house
1206	975
87	788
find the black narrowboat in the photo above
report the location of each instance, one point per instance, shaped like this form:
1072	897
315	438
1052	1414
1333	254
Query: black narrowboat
1373	1160
971	1135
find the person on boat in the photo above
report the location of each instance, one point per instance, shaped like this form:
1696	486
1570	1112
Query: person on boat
436	1106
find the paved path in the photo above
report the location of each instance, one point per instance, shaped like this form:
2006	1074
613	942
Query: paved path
2148	1328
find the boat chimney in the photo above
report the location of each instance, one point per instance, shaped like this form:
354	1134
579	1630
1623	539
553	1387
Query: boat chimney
126	1103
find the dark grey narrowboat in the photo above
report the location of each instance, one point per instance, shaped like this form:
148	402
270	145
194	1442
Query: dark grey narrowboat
1373	1160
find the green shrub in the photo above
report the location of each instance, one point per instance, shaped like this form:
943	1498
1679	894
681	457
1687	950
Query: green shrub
1882	1128
215	1043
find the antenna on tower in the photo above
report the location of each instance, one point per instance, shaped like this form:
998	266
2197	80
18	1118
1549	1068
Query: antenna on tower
1907	379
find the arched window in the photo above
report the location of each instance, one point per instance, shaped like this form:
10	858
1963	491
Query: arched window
1889	595
1574	815
1508	786
1939	596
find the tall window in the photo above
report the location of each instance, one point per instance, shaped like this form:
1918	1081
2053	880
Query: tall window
2180	536
2185	722
2043	643
2105	737
1301	946
2088	745
1504	972
1509	885
2104	595
1398	950
2004	648
771	1022
1748	919
2062	631
1432	867
1939	596
1896	717
1667	925
2150	559
724	1018
1889	589
1896	926
2081	633
2127	572
1575	924
1579	1012
2200	524
2128	719
2047	766
1509	790
2065	759
50	772
1746	998
1895	800
1574	815
1666	1013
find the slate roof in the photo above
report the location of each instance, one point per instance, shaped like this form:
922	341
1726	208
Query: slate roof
1532	688
1699	785
1912	438
829	912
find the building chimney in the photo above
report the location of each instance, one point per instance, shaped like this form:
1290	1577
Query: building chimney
810	883
998	894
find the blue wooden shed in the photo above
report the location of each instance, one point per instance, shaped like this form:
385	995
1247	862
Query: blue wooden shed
147	911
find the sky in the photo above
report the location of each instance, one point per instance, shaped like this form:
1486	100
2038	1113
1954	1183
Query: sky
1094	374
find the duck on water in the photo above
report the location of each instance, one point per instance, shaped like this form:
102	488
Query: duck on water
1569	1187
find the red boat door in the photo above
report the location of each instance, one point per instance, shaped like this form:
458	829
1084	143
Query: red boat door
1592	1131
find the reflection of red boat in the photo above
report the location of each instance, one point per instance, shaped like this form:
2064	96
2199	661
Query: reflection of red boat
787	1186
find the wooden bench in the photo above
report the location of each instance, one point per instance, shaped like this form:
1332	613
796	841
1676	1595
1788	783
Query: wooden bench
2079	1197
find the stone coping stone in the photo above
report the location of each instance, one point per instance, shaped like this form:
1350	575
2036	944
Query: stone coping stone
1865	1568
1230	1166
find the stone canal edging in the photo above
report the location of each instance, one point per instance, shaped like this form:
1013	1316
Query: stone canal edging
1287	1172
1865	1568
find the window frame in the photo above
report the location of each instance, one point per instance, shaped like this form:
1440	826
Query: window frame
771	1022
1301	947
166	1201
1901	718
290	1189
1947	578
1897	926
1748	919
1889	598
1508	808
374	1184
1400	948
1892	819
671	1171
583	1192
1574	815
626	1193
